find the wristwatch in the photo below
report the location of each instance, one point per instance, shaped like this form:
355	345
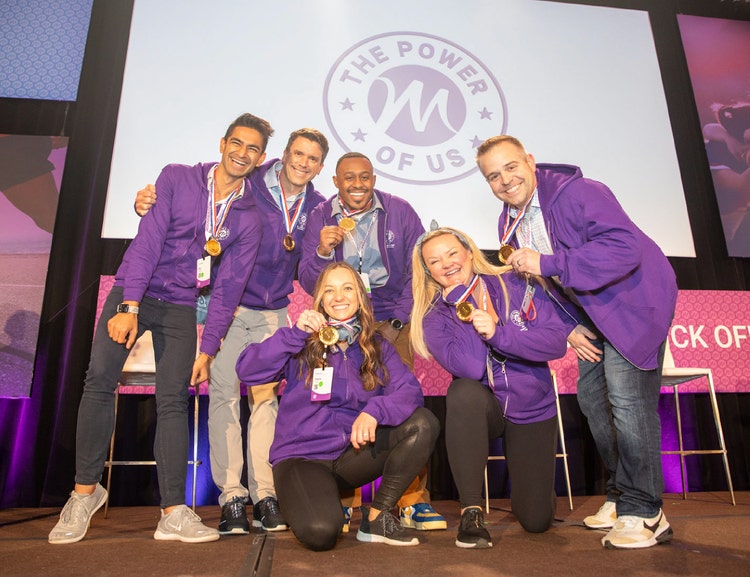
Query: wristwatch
396	324
123	308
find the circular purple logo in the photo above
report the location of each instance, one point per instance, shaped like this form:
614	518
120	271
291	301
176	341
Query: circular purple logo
416	104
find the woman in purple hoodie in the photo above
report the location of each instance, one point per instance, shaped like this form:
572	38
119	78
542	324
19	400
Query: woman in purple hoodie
351	412
494	331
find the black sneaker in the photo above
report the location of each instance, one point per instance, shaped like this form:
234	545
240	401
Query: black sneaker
266	515
471	531
385	528
234	517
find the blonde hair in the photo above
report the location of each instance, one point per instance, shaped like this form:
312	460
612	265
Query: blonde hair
426	290
372	370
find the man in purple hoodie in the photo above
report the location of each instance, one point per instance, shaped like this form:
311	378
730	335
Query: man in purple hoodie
284	194
374	232
205	213
560	225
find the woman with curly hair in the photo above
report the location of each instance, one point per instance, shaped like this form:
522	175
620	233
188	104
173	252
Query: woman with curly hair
494	331
351	412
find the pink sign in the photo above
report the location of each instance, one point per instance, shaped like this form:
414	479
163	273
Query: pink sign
711	329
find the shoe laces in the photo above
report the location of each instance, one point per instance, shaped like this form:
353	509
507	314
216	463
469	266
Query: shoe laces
473	517
270	507
75	509
391	525
186	516
236	507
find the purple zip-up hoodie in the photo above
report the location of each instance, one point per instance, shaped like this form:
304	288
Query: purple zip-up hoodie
321	429
270	285
619	275
398	230
161	260
520	347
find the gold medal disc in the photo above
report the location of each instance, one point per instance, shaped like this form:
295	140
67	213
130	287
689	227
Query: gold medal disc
464	310
288	243
348	224
213	247
328	336
504	253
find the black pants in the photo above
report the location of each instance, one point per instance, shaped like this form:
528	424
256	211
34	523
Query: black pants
473	418
308	490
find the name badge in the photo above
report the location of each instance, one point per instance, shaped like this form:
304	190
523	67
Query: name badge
203	272
321	384
366	281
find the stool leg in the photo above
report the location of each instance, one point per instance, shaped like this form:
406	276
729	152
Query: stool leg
486	492
679	438
108	464
720	432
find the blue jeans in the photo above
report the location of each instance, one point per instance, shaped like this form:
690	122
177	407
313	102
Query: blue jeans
621	403
174	337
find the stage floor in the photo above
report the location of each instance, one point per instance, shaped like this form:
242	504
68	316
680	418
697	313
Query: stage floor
711	538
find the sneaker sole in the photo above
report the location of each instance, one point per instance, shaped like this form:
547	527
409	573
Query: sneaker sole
235	531
260	525
598	524
481	544
76	539
664	537
369	538
425	525
159	536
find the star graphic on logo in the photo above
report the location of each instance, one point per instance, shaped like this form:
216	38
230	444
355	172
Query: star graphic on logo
485	114
359	135
476	141
347	105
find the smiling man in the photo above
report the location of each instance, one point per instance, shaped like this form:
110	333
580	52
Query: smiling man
374	232
572	230
205	217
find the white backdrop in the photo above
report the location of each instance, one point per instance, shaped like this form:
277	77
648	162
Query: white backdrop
414	85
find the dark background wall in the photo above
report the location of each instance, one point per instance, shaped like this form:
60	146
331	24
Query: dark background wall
38	434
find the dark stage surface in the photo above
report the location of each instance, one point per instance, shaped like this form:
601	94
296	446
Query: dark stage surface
712	538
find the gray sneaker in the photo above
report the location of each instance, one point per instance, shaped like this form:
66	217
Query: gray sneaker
182	524
76	516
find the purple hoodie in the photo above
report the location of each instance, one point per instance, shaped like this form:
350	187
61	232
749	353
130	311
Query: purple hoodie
321	430
619	275
270	285
522	383
161	260
398	232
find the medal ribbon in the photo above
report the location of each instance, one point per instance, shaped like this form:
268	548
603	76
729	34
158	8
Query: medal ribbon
290	221
215	219
510	229
465	295
348	329
348	212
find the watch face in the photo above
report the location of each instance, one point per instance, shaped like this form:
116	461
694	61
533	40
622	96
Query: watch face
397	324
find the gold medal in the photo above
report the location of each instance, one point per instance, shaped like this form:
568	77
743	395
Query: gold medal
213	247
464	310
288	243
504	253
348	224
328	335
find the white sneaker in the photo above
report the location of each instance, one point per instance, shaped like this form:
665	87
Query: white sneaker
631	532
76	516
182	524
605	517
